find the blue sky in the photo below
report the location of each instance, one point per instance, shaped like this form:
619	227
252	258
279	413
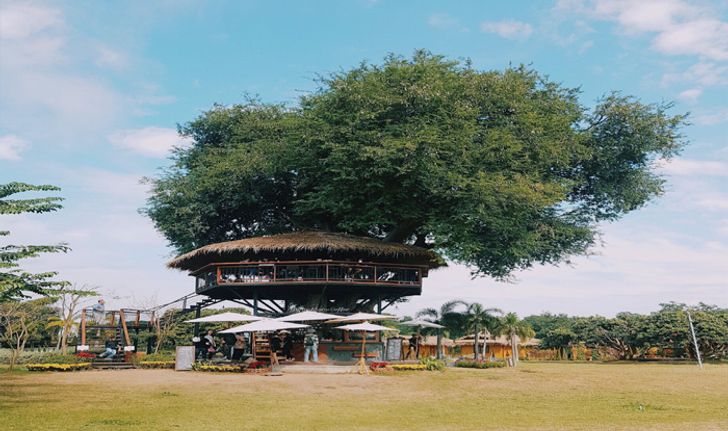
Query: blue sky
91	92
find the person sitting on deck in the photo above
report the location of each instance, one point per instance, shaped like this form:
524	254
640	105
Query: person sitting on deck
110	351
310	344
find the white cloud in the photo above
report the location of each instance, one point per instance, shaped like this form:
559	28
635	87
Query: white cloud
690	95
715	202
508	29
19	21
681	166
677	28
712	118
703	73
11	146
109	58
706	37
443	21
148	141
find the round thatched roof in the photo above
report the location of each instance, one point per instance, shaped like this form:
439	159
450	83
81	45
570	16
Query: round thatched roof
307	246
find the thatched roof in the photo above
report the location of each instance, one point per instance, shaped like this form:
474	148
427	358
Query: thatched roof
307	246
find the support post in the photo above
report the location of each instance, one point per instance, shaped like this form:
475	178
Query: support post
379	305
198	310
255	303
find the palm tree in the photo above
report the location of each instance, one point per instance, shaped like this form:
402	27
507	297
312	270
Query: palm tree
441	318
514	328
477	318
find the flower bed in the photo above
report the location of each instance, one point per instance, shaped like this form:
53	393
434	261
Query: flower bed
219	368
59	367
377	366
408	367
479	364
156	364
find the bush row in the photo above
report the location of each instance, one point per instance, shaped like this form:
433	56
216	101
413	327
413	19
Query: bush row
480	364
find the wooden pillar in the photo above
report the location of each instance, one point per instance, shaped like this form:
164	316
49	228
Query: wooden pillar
255	303
379	305
122	319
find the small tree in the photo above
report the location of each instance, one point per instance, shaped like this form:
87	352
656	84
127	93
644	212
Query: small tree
68	302
165	327
514	328
18	320
444	316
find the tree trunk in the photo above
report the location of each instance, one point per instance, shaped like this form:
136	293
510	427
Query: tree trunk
514	349
475	347
485	347
402	231
439	344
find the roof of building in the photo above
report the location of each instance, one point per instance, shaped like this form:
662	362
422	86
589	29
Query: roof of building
307	245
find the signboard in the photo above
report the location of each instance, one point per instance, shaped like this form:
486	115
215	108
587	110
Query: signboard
184	358
394	349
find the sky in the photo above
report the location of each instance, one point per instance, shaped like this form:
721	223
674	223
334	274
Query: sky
91	94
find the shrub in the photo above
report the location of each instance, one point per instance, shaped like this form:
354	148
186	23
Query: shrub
479	364
218	368
29	357
156	364
59	367
161	356
432	364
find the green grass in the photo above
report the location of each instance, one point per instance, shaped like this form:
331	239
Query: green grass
535	396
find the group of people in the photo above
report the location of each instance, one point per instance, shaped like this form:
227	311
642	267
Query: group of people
207	346
282	342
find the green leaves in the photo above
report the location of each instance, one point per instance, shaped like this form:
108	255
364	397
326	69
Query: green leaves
16	284
499	170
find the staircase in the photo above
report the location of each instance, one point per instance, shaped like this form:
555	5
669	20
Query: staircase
114	364
202	304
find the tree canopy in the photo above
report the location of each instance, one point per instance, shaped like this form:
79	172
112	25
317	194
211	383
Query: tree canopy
15	283
499	170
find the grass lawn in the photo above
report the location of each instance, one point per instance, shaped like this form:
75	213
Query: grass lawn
535	396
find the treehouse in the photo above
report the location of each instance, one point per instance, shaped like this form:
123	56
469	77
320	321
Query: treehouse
311	270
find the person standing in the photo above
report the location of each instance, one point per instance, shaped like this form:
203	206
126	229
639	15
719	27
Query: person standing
275	347
310	344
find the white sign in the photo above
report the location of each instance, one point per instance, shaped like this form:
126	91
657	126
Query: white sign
184	358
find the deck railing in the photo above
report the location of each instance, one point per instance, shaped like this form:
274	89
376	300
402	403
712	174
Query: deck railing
315	272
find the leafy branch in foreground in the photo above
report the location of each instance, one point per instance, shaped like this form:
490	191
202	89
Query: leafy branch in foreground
15	283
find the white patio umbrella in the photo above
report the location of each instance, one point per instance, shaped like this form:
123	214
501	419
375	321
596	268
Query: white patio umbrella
307	316
421	323
361	317
264	325
361	365
226	317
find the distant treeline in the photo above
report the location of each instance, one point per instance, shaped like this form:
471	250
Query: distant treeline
631	336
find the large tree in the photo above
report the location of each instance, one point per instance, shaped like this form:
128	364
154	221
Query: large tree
15	283
495	169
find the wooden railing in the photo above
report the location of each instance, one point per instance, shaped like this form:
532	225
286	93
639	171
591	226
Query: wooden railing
313	272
